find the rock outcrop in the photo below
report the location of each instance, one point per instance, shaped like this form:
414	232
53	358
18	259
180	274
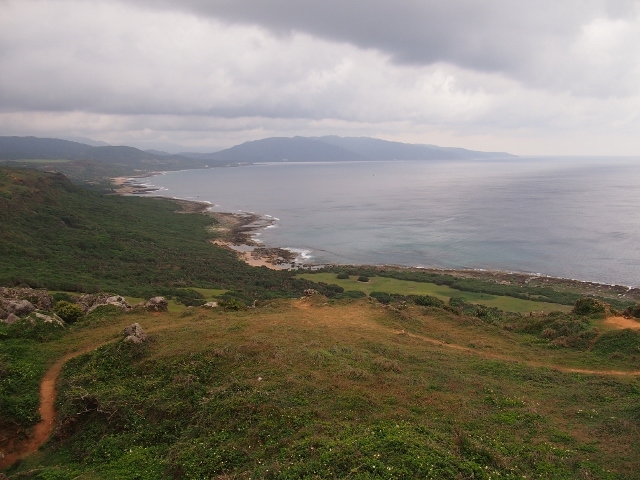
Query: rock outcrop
90	302
53	318
156	304
115	300
20	308
38	298
134	333
211	305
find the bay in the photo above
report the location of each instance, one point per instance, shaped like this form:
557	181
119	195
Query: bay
563	217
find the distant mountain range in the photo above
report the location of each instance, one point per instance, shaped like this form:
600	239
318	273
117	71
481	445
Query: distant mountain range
333	149
273	149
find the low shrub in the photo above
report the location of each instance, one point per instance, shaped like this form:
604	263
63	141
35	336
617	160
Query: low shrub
231	303
350	294
363	279
428	301
382	297
342	276
69	312
589	306
633	311
189	297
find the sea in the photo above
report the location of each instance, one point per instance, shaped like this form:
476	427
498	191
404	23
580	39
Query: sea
567	217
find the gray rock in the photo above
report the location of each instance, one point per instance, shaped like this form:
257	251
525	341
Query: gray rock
11	319
92	299
156	304
3	313
40	298
134	333
53	318
17	307
115	300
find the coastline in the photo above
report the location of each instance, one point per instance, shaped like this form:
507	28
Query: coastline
235	232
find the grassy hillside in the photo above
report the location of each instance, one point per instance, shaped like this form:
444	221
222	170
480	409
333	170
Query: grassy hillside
311	389
64	237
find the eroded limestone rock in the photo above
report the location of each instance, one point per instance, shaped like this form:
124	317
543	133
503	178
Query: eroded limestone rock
134	333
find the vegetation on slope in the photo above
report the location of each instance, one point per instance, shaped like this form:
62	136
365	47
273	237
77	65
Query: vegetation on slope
524	292
64	237
303	389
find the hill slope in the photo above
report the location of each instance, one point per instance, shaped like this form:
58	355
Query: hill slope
89	163
65	237
306	389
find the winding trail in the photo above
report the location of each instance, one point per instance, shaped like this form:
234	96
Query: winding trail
43	429
529	363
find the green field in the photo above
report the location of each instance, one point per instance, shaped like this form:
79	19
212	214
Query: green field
404	287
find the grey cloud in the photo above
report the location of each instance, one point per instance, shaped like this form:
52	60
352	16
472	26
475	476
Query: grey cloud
529	41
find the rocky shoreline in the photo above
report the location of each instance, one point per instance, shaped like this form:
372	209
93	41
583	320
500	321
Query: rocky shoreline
235	232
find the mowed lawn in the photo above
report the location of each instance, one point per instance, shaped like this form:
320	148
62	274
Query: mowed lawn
443	292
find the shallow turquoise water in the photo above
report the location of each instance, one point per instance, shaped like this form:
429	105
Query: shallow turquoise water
567	217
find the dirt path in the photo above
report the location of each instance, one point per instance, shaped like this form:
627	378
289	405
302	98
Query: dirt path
622	322
43	429
529	363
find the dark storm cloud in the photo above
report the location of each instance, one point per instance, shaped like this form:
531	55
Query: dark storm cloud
519	38
529	77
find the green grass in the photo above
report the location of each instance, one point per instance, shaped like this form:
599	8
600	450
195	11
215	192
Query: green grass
443	292
210	294
306	390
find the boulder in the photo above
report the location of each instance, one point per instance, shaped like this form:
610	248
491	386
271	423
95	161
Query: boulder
3	313
39	298
310	292
53	318
134	333
115	300
19	308
211	305
11	318
156	304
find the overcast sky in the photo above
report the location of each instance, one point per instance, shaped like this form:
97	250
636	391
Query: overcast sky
542	77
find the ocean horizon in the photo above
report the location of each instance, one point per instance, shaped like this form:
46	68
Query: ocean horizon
566	217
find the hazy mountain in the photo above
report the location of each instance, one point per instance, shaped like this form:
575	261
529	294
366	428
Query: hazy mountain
156	152
376	149
34	148
87	163
296	149
86	141
333	148
202	156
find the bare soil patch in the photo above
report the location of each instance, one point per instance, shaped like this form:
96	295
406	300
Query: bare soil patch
622	322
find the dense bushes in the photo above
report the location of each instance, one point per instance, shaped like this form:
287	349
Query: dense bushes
60	236
69	312
589	306
428	301
189	297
